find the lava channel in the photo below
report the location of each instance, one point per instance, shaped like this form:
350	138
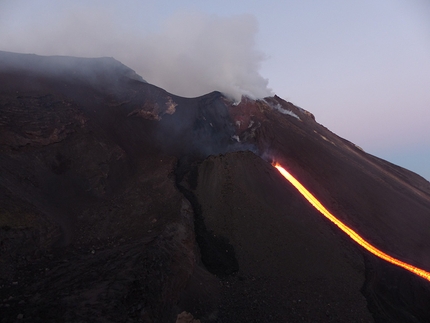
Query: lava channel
351	233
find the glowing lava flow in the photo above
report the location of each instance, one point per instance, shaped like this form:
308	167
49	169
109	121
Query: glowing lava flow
354	235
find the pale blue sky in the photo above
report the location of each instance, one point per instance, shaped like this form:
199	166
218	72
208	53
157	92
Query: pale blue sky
361	67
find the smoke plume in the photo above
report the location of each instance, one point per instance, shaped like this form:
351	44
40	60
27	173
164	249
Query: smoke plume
190	54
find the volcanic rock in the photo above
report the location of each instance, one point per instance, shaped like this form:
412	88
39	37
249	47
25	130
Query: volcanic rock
121	202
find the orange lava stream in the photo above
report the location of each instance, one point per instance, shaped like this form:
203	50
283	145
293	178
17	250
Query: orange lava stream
354	235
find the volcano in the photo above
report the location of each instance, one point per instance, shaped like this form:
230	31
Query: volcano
121	202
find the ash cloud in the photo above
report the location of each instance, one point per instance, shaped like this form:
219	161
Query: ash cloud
191	54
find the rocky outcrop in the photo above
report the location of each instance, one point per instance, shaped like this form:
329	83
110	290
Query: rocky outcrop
186	317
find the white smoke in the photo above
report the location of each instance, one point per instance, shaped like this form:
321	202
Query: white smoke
191	54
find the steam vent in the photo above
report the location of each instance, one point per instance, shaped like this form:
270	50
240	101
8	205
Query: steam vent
121	202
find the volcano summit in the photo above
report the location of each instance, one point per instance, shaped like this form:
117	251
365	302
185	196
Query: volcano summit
121	202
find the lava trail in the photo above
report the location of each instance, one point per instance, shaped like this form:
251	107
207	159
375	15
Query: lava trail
351	233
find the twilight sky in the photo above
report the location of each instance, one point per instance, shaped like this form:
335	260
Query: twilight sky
361	67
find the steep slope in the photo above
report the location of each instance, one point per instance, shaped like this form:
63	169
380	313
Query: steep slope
120	201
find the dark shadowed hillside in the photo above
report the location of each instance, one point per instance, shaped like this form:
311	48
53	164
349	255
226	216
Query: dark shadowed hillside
120	202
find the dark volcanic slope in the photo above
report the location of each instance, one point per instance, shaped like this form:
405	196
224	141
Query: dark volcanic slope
120	202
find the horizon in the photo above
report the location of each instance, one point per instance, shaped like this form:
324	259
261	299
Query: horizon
361	69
